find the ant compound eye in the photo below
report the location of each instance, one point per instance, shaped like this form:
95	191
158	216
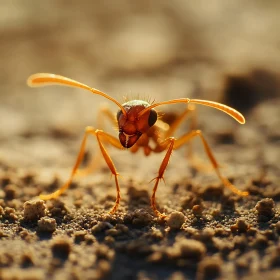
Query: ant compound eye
152	118
119	113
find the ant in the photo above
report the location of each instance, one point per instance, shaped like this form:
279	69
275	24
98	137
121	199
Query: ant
138	127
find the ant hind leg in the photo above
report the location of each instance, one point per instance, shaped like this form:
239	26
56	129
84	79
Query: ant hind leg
189	136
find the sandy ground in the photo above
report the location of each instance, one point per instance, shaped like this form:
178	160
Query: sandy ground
224	52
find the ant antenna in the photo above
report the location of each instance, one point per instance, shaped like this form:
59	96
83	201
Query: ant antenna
224	108
45	79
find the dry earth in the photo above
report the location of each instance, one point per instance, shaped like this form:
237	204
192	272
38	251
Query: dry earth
226	52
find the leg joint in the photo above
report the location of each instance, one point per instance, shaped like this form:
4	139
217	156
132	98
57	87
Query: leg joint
98	131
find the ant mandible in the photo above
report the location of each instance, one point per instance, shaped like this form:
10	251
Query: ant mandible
137	123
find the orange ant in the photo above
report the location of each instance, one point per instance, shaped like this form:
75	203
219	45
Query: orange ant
137	124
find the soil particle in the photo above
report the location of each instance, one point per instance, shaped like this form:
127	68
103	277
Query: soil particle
61	248
189	200
57	208
221	232
240	242
34	210
260	242
265	209
141	217
209	268
240	227
275	256
104	268
175	220
46	224
183	253
10	214
80	236
206	235
154	234
197	210
101	226
103	252
186	249
138	247
122	228
252	231
2	234
243	263
27	260
28	236
113	232
11	191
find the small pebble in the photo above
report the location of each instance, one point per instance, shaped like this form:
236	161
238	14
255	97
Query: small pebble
10	191
176	220
46	224
209	268
61	248
265	209
34	210
197	210
241	226
79	236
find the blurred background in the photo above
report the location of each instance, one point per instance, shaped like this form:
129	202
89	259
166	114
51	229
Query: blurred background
225	51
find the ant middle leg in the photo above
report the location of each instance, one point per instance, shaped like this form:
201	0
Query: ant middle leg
190	113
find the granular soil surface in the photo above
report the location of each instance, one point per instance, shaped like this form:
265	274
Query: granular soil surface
160	51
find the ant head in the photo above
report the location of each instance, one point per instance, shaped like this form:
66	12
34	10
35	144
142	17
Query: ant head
133	125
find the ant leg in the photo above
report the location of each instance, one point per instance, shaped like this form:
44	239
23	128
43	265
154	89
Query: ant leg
115	142
99	135
187	137
190	110
170	141
95	161
105	112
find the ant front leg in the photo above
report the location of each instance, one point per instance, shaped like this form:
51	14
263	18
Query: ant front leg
103	113
170	141
100	135
189	136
